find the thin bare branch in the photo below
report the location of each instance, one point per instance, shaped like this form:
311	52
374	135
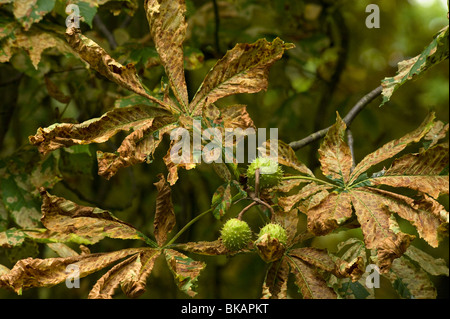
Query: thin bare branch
348	119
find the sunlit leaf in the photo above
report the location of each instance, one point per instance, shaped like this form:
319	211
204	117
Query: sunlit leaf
34	43
331	212
96	130
421	172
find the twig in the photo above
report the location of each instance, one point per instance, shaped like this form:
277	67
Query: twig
109	36
350	145
348	119
246	209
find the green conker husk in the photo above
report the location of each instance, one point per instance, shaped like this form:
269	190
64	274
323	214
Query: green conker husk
270	172
235	234
274	231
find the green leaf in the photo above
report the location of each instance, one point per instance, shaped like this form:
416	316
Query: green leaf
434	53
28	12
221	200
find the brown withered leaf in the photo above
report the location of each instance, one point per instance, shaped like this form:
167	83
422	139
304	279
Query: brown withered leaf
269	248
319	258
334	154
410	281
164	217
288	202
34	43
138	147
426	214
437	132
243	69
103	63
392	148
97	130
172	167
236	116
35	272
424	172
88	225
131	274
209	248
289	221
419	171
311	284
185	270
379	229
168	30
353	269
275	283
433	266
331	212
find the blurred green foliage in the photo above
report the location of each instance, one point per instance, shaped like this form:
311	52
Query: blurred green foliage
337	60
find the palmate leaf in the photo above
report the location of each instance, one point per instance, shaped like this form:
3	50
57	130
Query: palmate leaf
35	272
131	274
243	70
67	221
374	208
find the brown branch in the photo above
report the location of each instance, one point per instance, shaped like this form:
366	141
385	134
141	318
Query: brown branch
350	141
348	119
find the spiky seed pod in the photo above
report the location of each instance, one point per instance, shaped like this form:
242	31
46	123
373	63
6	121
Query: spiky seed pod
274	231
271	242
235	234
270	172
